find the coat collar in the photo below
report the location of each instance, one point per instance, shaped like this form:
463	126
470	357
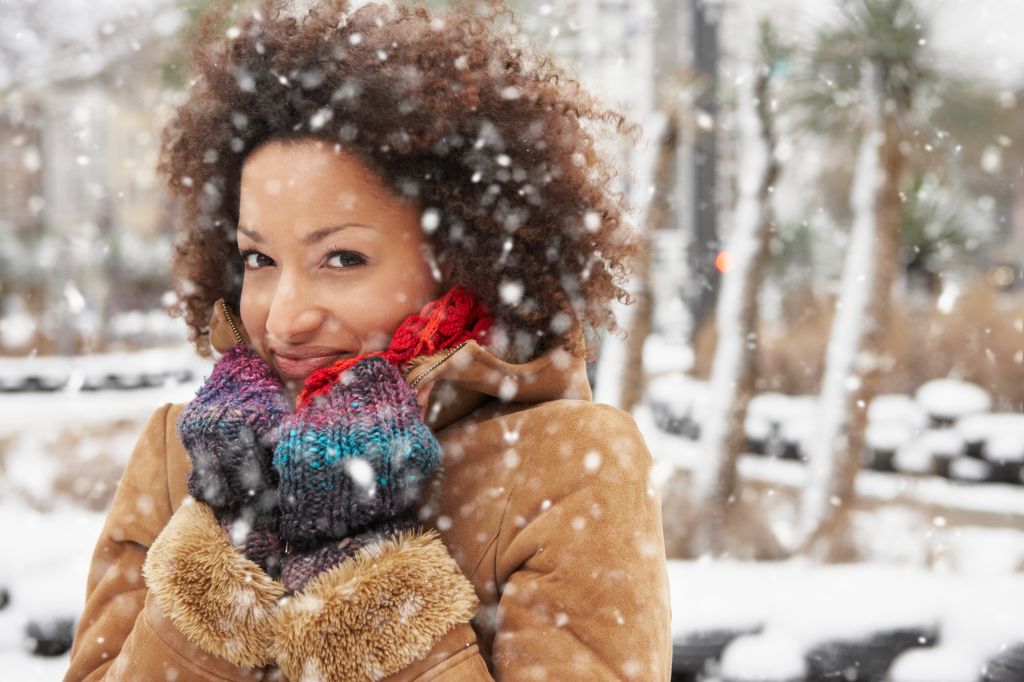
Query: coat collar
462	380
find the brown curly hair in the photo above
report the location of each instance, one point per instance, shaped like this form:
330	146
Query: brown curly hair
451	110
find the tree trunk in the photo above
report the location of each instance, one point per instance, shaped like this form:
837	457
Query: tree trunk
832	485
724	525
634	380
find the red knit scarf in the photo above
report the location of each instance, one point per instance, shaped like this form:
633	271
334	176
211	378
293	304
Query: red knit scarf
442	323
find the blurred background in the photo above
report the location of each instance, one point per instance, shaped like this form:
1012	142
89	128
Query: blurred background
826	353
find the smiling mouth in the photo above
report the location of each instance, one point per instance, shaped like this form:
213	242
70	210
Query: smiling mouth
300	368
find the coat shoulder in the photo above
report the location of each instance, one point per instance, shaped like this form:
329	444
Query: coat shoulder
590	435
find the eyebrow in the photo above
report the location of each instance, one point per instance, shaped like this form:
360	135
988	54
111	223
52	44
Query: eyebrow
309	239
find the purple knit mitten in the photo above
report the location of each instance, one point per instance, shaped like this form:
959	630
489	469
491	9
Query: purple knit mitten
229	432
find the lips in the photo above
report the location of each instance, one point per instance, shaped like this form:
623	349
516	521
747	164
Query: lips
300	363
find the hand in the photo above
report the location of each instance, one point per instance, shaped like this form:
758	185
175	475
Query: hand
229	432
299	567
354	458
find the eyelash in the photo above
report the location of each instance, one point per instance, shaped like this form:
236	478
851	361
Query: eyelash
244	255
360	258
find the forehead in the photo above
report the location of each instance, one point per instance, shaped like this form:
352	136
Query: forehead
309	184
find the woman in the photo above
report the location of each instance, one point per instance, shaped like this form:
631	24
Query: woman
396	228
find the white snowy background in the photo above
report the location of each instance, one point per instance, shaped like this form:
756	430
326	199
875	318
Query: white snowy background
942	555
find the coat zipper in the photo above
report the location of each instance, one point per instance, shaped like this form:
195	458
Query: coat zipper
231	321
451	351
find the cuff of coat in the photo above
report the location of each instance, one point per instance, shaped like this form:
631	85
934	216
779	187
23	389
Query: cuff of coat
374	614
220	600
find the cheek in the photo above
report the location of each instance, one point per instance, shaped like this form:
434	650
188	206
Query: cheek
372	318
253	307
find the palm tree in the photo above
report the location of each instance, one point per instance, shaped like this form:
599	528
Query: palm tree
875	68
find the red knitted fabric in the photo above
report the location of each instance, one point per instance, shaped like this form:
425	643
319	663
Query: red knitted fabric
443	323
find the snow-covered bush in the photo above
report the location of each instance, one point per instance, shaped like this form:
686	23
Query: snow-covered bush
676	401
768	657
946	400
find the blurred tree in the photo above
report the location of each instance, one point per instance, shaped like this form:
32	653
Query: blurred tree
724	523
663	182
937	224
874	68
704	21
949	120
175	67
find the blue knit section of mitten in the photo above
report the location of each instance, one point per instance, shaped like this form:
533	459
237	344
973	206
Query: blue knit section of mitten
357	455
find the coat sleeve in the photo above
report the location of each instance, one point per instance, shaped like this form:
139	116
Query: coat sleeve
122	633
580	561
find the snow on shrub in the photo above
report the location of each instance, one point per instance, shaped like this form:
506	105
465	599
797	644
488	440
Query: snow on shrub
939	663
676	392
888	436
1000	435
769	656
896	408
918	455
951	399
969	469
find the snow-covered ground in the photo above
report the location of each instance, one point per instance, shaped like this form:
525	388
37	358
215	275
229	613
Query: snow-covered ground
796	605
922	573
44	567
48	527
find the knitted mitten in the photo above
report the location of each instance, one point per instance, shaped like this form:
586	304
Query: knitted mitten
229	432
299	567
351	462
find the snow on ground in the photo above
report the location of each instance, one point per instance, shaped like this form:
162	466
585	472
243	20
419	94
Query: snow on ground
44	555
671	451
44	565
50	410
814	603
789	607
797	606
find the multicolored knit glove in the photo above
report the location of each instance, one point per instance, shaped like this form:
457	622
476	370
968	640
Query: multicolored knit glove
229	431
298	567
351	467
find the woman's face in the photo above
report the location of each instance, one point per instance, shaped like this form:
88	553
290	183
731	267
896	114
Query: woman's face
333	260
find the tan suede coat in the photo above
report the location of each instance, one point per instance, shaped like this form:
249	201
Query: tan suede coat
543	502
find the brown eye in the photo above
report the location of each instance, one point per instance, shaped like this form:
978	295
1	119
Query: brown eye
345	259
254	260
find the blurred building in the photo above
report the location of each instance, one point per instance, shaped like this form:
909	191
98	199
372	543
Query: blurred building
85	227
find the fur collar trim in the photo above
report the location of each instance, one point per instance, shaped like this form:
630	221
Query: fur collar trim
373	615
365	619
220	600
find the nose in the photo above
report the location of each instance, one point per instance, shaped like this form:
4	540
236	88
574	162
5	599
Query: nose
294	314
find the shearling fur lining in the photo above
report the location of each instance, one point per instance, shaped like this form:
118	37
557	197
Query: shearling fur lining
219	599
374	614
